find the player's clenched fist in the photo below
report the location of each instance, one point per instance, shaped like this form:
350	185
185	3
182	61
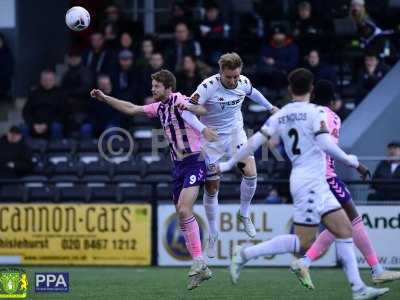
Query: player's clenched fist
99	95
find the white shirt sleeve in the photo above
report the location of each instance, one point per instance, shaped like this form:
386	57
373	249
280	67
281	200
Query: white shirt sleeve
203	92
270	127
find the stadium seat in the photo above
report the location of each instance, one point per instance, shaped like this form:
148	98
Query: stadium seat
95	180
156	178
13	193
64	180
97	168
230	177
37	145
58	158
144	145
63	145
66	168
229	192
140	192
34	180
127	168
126	180
164	191
87	145
104	194
162	167
88	157
41	194
73	194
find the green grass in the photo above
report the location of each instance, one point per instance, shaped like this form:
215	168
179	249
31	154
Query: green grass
113	283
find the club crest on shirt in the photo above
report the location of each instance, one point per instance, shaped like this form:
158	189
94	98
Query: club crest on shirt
195	99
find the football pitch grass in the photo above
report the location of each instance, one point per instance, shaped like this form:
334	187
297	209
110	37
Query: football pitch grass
152	283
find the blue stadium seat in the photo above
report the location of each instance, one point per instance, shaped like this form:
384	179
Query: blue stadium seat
37	145
87	145
140	192
63	145
104	194
73	194
95	180
126	180
64	180
13	193
41	194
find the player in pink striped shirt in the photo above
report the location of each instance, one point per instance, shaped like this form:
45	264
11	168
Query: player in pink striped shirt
183	131
324	96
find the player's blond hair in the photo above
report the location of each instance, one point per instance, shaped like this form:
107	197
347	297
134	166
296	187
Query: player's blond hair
230	61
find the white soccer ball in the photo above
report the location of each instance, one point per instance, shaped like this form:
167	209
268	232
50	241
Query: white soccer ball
77	18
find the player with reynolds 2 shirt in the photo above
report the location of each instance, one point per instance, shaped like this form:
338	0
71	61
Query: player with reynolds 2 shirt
302	127
222	95
324	95
183	131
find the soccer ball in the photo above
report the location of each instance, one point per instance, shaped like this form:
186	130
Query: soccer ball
77	18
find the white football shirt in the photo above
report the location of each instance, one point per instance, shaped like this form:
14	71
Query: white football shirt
223	105
297	124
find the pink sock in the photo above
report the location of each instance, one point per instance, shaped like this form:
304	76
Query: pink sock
321	245
363	242
191	233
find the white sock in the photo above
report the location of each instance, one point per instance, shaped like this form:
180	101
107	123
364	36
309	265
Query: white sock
247	191
286	243
346	254
210	203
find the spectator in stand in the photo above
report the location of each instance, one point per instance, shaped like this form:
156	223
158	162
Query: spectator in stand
278	58
308	30
127	83
6	69
180	13
182	45
15	156
214	34
189	77
369	76
120	24
111	36
387	170
147	49
102	116
99	59
43	108
76	85
126	43
320	69
156	63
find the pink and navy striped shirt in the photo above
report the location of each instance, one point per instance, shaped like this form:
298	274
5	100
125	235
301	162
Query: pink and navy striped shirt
182	138
334	124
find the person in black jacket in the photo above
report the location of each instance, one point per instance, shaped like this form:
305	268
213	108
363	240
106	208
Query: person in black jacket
126	81
372	72
182	45
15	157
76	85
189	78
43	109
99	59
214	34
387	170
6	69
319	69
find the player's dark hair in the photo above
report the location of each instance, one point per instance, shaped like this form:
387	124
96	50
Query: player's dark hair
324	93
300	81
166	78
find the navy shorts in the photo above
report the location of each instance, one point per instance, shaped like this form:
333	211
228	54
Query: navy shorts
339	190
191	171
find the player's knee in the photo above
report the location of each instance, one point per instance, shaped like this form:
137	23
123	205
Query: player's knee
183	211
212	187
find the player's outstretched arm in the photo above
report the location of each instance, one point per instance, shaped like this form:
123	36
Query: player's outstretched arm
252	145
258	98
209	134
326	143
197	109
122	106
